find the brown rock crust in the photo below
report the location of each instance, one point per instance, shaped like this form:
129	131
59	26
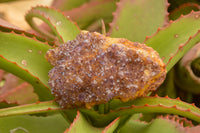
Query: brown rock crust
93	69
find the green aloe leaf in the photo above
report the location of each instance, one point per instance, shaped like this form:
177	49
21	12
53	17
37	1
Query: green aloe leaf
6	27
21	94
173	41
183	10
6	24
24	57
159	125
145	105
176	3
33	124
39	107
187	71
6	105
65	5
168	88
118	108
2	1
90	12
134	20
63	27
81	125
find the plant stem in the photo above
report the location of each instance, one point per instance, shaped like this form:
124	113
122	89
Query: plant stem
101	109
189	97
65	116
106	107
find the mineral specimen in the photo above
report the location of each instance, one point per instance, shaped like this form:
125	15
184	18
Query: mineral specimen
93	69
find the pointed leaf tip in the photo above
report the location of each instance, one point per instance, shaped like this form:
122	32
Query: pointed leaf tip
63	27
80	124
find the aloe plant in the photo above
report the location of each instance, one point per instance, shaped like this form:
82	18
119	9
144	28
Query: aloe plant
157	24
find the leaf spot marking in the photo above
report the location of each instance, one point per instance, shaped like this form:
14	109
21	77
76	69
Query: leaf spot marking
19	128
24	62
